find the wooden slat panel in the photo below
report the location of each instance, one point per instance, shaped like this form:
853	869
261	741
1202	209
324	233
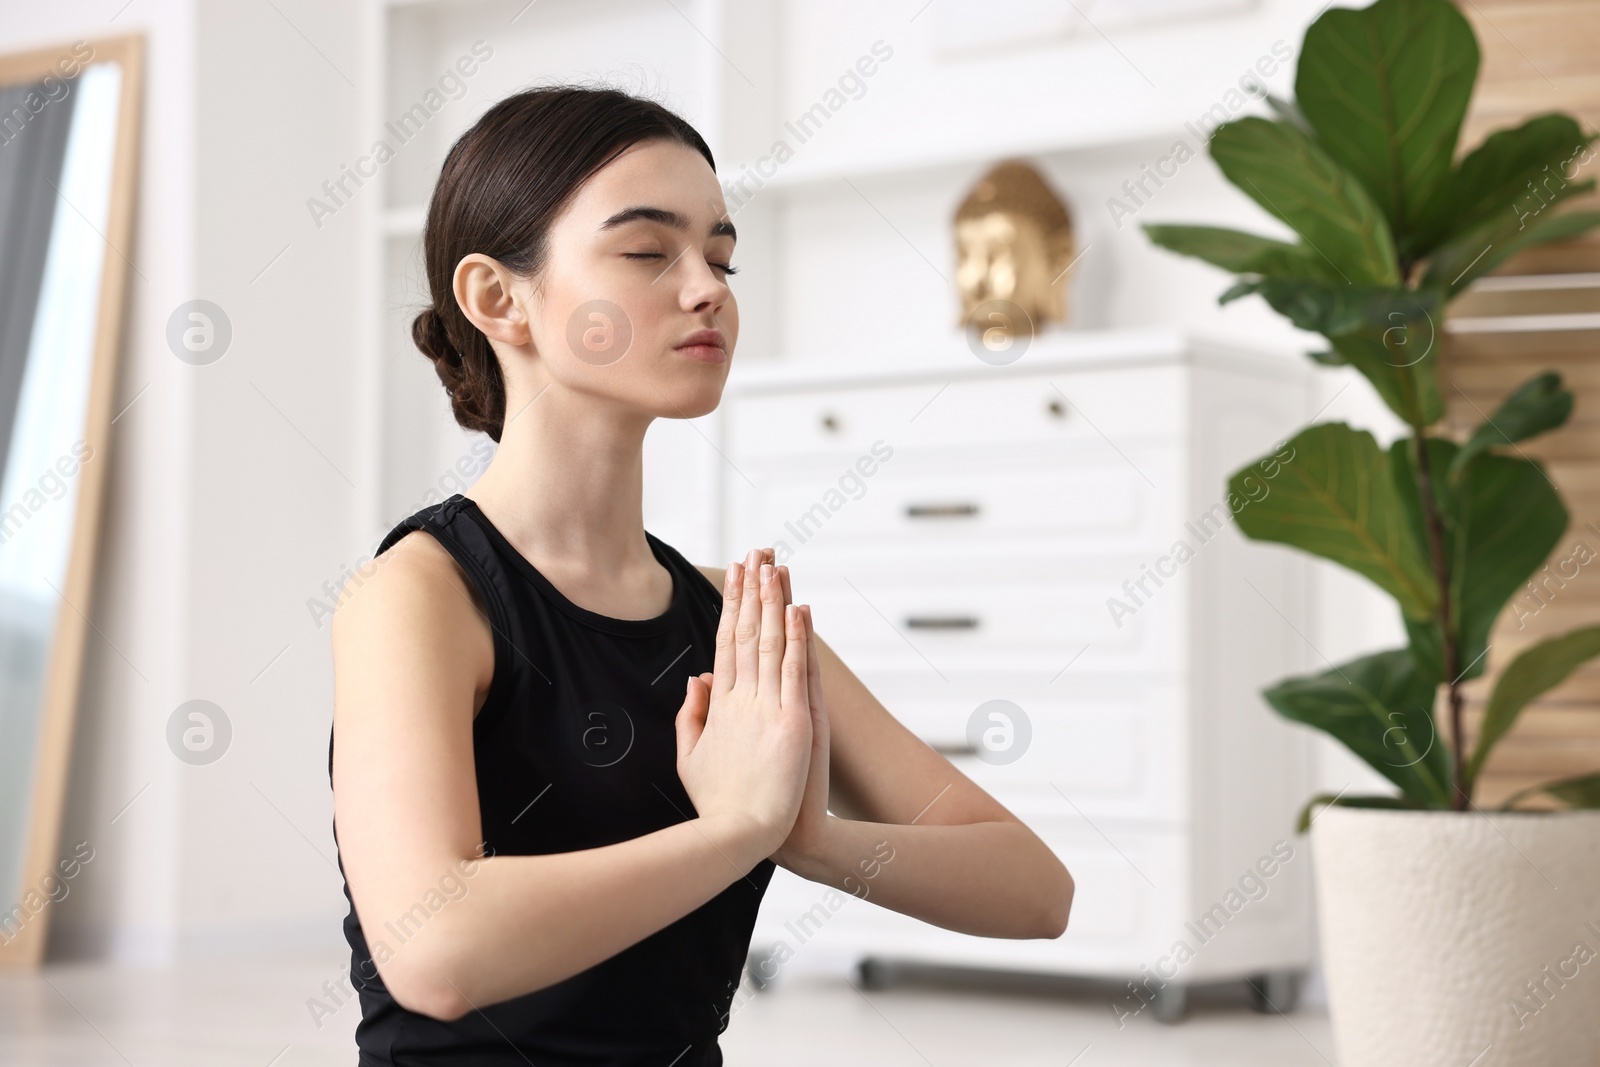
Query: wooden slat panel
1538	56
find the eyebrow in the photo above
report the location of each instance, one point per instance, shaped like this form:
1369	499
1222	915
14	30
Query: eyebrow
666	217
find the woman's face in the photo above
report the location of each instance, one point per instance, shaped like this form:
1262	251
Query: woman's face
638	264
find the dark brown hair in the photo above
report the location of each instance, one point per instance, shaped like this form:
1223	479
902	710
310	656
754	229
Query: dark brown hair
503	183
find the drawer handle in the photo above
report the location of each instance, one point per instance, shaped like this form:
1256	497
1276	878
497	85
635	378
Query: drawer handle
942	622
940	511
955	748
830	422
1057	408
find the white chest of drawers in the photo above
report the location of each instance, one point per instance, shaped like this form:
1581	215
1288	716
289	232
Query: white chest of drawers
960	530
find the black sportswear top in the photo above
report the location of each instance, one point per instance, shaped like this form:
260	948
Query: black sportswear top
574	748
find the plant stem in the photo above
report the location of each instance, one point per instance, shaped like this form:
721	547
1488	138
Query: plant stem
1450	653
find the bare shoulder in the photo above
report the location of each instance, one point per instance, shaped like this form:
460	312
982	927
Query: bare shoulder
411	598
416	571
715	575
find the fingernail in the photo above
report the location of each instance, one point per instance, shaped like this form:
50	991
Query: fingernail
731	582
766	573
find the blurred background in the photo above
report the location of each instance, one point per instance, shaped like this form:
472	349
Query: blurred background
987	565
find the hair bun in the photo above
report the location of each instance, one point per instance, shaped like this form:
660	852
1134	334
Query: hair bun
429	334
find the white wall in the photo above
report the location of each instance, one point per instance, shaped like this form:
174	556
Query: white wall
275	481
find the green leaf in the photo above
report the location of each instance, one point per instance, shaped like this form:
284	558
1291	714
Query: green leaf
1580	792
1386	89
1389	334
1539	404
1339	800
1336	499
1500	524
1535	672
1407	381
1285	172
1333	307
1465	259
1381	708
1511	172
1242	253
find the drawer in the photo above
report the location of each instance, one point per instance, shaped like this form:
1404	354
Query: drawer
937	620
1082	407
1097	504
1106	751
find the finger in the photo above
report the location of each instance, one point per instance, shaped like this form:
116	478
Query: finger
783	577
769	671
691	720
793	691
813	665
732	592
748	627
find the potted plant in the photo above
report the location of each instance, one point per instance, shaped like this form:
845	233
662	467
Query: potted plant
1451	935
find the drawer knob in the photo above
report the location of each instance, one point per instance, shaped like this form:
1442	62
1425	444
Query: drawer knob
1057	408
830	422
942	622
940	511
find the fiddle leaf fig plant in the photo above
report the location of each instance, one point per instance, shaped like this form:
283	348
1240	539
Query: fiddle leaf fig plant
1362	167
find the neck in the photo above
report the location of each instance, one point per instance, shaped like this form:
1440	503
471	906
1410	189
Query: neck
568	478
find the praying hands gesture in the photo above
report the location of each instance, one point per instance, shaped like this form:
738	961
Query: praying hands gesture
753	732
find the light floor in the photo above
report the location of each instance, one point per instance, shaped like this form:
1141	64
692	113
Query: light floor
256	1014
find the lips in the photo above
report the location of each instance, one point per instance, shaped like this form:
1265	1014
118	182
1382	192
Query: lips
704	339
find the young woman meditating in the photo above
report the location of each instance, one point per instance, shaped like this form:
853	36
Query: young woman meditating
567	759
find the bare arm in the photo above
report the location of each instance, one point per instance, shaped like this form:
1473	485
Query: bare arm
413	658
917	836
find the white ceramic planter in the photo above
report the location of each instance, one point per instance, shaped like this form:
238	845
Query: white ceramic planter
1460	940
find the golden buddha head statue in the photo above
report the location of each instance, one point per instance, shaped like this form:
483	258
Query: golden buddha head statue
1013	245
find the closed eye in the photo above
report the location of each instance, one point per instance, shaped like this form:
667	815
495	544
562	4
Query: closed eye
726	268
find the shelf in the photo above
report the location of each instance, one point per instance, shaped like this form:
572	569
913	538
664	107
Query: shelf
1058	349
842	167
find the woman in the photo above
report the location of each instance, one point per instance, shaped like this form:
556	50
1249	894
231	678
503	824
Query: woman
568	760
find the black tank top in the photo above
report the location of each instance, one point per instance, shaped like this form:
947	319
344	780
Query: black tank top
574	748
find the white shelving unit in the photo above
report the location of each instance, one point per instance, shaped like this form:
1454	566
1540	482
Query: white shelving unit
974	557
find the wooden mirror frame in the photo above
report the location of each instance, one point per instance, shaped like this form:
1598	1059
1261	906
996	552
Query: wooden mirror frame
63	672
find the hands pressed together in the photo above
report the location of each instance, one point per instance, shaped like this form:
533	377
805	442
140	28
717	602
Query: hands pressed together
753	733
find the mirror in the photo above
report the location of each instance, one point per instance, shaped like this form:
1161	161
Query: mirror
68	156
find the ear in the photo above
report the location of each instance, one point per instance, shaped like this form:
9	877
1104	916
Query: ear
488	295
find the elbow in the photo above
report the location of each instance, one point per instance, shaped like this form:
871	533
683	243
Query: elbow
1059	906
426	985
433	996
443	1004
426	994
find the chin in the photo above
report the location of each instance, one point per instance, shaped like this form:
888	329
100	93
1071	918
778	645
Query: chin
692	403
